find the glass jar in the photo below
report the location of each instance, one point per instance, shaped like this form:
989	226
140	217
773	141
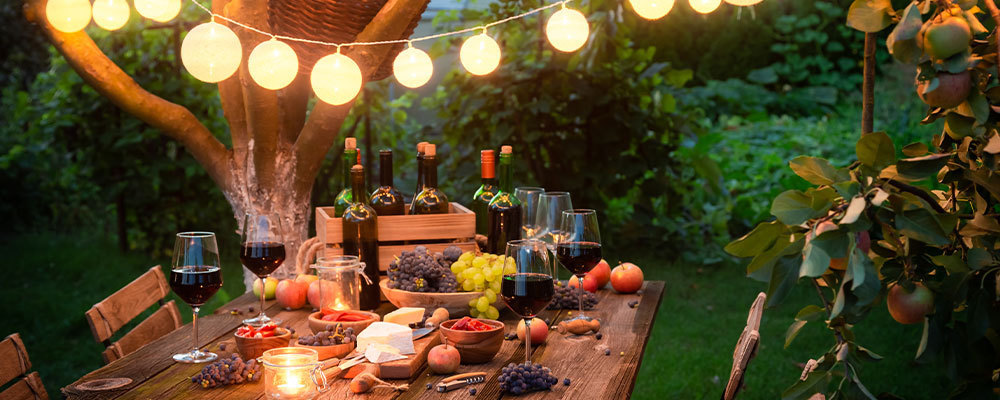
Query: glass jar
293	373
339	282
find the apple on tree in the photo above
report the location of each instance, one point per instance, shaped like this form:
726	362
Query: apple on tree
910	306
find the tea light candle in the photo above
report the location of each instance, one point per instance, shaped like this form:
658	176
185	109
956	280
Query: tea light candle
289	373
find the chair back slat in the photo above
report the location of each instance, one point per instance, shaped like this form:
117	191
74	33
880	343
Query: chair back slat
14	358
108	316
746	348
28	388
163	321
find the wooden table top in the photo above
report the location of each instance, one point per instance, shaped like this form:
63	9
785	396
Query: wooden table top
581	358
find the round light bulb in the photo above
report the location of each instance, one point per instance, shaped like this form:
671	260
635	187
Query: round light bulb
273	64
651	9
705	6
412	67
480	54
111	14
68	15
744	3
336	79
211	52
171	9
567	30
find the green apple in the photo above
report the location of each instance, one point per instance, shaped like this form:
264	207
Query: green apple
269	287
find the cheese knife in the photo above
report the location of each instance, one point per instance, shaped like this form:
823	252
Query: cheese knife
345	365
440	315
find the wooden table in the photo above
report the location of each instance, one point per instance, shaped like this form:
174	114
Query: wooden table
581	358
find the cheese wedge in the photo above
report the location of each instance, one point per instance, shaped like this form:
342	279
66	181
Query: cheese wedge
405	316
394	335
378	353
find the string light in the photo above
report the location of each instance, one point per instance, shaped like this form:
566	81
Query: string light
480	54
68	15
705	6
111	14
336	79
567	29
744	3
651	9
273	64
211	52
412	67
173	7
158	10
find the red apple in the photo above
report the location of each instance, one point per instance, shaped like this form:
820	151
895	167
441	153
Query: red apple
307	278
589	283
539	330
313	295
910	307
601	274
291	294
443	359
626	278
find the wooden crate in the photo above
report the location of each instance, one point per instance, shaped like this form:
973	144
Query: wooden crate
435	231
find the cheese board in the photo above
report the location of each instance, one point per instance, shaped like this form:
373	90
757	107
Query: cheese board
411	365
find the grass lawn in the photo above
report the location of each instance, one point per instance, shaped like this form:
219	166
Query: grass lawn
54	278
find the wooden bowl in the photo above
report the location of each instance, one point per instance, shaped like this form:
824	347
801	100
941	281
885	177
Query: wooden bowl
457	303
475	347
251	348
317	324
328	352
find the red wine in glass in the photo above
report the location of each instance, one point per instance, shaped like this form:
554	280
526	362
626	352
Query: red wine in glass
527	294
579	257
195	284
262	258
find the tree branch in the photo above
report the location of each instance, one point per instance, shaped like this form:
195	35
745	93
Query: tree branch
231	95
110	81
868	86
324	121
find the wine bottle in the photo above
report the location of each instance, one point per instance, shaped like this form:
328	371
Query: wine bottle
505	208
386	200
420	171
481	200
431	200
344	198
360	230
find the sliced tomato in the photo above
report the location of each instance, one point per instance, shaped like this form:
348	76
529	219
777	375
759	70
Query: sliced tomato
462	324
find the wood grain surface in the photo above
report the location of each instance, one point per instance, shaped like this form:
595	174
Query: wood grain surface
593	374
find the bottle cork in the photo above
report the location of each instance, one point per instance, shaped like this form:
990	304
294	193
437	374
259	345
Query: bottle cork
430	149
420	147
350	143
357	168
506	149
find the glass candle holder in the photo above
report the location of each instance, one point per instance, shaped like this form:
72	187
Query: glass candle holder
293	373
339	282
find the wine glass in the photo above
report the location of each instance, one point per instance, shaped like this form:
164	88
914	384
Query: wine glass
262	250
529	205
579	247
526	285
195	277
548	220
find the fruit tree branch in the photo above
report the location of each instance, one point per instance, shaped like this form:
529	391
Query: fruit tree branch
110	81
868	86
324	121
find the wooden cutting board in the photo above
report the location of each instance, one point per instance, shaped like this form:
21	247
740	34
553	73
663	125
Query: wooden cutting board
411	365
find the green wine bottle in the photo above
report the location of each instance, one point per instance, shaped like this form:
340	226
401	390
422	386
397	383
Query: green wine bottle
431	200
360	229
505	208
386	200
344	198
420	173
481	200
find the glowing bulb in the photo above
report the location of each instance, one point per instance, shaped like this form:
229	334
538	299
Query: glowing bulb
651	9
273	64
68	15
567	30
336	79
705	6
412	67
158	10
111	14
211	52
743	3
480	54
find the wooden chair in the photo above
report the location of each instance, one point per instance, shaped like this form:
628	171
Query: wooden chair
14	364
108	316
746	348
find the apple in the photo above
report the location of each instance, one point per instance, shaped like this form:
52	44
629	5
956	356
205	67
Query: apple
539	330
307	278
910	307
291	294
269	288
312	294
626	278
589	283
601	274
443	359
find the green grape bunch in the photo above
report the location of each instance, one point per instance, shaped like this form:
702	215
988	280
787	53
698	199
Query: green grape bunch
481	273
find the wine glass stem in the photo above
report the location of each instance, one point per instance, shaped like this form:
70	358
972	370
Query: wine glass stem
580	294
260	317
194	326
527	340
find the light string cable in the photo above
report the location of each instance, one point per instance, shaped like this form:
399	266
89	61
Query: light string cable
382	42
